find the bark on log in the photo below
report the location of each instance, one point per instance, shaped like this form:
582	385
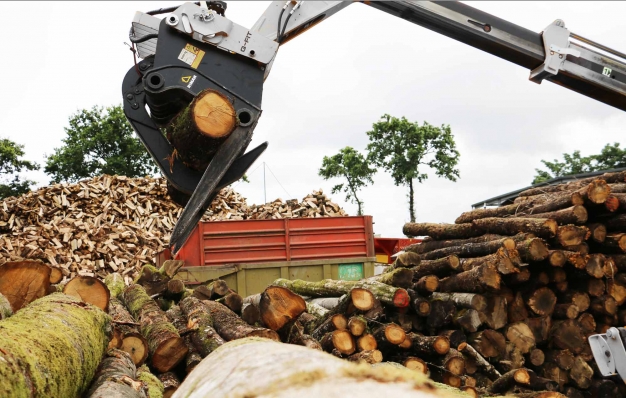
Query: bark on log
572	215
468	320
223	374
153	280
456	337
90	290
231	327
504	260
170	383
496	314
390	295
166	346
441	231
233	301
116	377
615	223
175	290
463	300
5	307
426	285
293	333
406	259
509	379
441	314
204	337
63	359
502	211
325	302
200	129
153	385
542	228
491	372
430	245
477	280
555	202
398	277
471	249
132	341
441	267
115	284
428	345
23	282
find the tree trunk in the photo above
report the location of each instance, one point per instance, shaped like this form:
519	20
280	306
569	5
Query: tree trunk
463	300
132	341
442	267
204	337
165	345
411	202
201	128
5	307
390	295
572	215
232	327
223	375
440	231
62	360
90	290
543	228
23	282
175	290
116	377
477	280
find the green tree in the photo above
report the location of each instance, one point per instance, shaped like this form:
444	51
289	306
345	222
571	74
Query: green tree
11	163
611	157
351	165
402	147
99	141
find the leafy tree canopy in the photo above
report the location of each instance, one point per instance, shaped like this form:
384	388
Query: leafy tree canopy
99	141
404	148
352	166
611	157
11	163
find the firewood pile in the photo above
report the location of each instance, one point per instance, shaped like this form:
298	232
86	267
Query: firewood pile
116	224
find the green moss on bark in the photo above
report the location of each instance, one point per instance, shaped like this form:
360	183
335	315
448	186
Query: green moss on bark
154	386
52	347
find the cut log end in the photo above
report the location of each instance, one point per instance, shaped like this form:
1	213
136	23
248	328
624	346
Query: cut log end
137	346
401	298
279	305
213	114
362	299
90	290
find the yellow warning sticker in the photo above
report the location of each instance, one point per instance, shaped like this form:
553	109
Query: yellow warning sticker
185	79
191	55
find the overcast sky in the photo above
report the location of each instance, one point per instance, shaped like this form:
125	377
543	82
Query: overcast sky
326	89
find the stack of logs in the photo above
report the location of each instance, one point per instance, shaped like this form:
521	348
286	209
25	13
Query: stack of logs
524	285
112	224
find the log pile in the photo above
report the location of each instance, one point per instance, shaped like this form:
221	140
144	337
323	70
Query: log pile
117	224
522	286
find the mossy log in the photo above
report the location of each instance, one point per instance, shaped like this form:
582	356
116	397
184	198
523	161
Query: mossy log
166	347
132	341
115	283
116	377
441	267
5	307
153	279
203	336
90	290
289	371
477	280
154	387
441	231
503	260
502	211
390	295
58	360
471	249
463	300
22	282
398	277
541	227
170	383
199	130
231	327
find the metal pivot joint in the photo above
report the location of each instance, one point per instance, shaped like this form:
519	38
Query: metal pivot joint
557	47
609	353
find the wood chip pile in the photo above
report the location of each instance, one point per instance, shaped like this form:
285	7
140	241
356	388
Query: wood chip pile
116	224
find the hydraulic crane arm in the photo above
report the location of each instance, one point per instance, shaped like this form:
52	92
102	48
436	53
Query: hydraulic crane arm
196	48
556	54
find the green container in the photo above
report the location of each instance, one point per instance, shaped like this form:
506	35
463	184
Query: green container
247	279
